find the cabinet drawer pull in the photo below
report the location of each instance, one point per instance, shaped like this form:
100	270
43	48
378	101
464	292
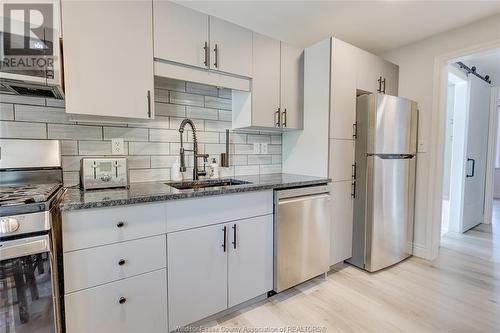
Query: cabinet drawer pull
121	262
284	118
120	224
122	300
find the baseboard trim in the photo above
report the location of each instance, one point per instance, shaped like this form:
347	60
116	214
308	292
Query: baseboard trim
421	252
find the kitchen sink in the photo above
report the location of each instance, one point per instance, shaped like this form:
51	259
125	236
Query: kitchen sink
207	183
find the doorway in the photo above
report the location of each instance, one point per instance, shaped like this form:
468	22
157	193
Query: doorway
469	157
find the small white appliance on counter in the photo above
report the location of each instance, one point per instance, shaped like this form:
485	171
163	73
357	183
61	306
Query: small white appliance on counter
100	173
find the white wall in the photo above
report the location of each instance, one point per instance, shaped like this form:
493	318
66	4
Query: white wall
416	81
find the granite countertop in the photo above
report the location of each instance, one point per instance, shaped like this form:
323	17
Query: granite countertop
74	198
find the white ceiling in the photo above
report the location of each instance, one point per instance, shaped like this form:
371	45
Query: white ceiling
486	64
376	26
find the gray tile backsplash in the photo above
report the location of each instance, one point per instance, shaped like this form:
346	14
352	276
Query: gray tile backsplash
151	146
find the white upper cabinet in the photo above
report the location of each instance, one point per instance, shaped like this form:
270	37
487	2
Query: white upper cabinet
343	90
180	34
231	48
266	82
108	64
375	74
291	86
189	37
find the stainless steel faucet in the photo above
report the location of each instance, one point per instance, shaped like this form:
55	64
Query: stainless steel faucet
196	172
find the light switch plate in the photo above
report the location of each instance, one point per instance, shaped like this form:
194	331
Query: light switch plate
117	146
263	148
256	148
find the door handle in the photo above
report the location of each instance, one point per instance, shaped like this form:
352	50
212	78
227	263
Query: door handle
149	103
284	118
379	84
205	48
383	83
234	236
473	167
216	51
224	230
354	171
278	120
353	190
355	130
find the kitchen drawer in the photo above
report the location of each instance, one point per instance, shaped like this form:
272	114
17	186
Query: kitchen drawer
94	227
99	309
198	212
98	265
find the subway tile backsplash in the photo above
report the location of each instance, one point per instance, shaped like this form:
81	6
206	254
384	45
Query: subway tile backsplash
151	146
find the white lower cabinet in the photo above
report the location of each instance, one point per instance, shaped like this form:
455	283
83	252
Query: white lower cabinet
197	274
208	271
136	304
342	221
250	259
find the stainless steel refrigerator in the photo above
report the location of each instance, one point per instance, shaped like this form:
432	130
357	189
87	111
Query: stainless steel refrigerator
384	186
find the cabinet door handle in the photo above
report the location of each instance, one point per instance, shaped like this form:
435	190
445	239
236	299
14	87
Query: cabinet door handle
383	89
234	236
284	118
121	262
149	103
216	51
224	230
379	84
354	171
355	130
122	300
353	190
277	118
120	224
473	167
205	48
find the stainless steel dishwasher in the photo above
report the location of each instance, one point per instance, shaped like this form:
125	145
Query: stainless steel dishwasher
301	235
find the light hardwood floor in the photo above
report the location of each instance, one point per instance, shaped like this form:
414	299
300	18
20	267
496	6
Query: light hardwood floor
457	292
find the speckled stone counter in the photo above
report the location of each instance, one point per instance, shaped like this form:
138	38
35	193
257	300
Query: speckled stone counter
160	191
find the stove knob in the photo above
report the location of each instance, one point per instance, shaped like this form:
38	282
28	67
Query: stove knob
8	225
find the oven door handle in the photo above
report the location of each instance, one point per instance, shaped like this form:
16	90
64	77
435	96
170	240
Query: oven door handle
24	247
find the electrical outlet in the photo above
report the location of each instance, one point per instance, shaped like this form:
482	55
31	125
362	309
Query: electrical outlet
117	146
256	148
263	148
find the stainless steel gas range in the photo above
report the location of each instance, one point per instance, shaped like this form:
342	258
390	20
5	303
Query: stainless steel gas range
30	187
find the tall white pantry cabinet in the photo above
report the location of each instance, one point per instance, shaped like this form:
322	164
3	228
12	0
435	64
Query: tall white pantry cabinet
335	73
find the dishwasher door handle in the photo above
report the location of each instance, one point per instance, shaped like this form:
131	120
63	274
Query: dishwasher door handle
305	197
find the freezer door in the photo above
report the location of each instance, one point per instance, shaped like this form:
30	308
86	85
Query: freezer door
390	210
392	126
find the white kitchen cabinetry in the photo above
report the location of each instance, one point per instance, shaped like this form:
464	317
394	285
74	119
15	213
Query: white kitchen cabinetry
371	69
231	48
132	305
250	258
342	221
180	34
291	86
207	274
108	58
276	100
341	151
197	274
189	37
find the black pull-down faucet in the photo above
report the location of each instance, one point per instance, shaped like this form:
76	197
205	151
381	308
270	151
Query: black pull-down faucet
196	172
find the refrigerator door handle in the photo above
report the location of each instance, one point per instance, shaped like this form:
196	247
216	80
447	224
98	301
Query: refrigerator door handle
394	156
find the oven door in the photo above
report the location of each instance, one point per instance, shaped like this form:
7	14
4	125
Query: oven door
26	291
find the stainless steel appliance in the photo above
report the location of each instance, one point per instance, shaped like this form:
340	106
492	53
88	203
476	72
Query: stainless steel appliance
384	187
301	235
98	173
29	236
